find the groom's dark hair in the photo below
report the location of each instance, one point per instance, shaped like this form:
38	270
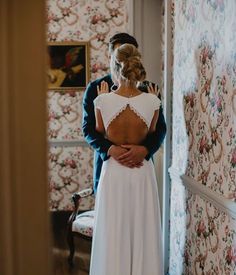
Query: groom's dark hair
122	38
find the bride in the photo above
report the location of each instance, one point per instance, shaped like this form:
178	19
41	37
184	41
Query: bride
127	231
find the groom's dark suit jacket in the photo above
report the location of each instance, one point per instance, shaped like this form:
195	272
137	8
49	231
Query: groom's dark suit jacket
97	140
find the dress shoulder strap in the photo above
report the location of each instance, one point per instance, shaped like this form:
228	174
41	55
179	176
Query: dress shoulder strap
111	105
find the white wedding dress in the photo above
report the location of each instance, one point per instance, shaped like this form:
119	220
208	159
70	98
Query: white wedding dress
127	237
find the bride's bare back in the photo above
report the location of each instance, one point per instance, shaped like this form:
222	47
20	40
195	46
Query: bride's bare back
127	128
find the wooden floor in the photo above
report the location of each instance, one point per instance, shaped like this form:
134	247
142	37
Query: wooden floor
60	250
60	265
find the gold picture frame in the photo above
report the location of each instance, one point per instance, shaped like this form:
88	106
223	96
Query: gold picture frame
68	65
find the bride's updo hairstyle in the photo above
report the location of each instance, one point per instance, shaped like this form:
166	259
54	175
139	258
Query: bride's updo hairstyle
126	64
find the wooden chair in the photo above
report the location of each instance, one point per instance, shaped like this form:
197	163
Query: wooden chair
80	223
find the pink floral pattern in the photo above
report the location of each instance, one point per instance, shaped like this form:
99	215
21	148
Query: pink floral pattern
210	239
84	223
70	171
70	168
65	115
202	238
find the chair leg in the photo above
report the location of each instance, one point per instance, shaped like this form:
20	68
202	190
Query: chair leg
70	241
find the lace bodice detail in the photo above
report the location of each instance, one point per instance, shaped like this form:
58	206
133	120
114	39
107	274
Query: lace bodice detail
112	104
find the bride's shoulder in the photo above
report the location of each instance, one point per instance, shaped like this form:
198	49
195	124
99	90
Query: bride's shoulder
154	100
103	97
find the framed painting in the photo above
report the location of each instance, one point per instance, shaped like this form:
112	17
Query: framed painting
68	65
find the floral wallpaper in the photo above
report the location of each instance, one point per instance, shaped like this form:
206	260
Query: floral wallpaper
70	167
70	171
65	115
210	244
202	238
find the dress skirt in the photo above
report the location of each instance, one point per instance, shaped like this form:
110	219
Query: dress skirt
127	237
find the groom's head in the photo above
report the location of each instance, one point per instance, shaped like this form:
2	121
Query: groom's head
121	38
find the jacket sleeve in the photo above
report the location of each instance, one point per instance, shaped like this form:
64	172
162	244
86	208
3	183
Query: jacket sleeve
154	140
95	139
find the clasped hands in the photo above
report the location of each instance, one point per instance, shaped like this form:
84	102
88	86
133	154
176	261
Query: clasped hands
129	155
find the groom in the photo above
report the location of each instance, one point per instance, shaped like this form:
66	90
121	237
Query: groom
132	155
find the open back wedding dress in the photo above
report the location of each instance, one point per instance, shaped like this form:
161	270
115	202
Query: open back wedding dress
127	237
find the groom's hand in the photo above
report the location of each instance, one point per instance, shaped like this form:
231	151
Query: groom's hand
128	155
134	155
116	151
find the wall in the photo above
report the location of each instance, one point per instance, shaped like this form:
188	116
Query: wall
147	30
202	237
147	24
24	235
70	159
